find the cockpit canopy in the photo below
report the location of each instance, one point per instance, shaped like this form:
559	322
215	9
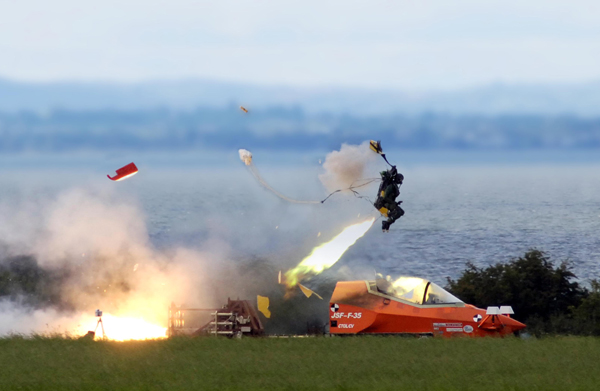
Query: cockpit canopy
415	290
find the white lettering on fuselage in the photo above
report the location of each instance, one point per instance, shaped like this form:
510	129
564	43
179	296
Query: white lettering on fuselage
349	315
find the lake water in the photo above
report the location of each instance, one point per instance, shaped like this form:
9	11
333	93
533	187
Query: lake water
481	209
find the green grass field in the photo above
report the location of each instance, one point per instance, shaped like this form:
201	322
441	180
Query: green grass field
373	363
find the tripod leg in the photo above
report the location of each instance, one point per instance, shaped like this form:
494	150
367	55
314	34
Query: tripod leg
102	324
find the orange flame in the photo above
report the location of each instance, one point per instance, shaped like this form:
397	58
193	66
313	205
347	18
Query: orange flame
121	328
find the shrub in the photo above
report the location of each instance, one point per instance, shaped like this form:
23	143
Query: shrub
545	297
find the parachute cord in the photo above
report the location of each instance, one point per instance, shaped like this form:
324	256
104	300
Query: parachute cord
352	187
264	183
252	168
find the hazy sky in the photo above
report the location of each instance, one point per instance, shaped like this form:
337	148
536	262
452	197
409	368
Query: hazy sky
371	43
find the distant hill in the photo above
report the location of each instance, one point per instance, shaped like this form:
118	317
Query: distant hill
177	115
286	129
496	99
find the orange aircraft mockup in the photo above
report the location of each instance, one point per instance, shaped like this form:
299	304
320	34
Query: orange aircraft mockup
412	305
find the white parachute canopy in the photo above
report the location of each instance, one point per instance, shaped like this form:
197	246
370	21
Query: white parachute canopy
245	156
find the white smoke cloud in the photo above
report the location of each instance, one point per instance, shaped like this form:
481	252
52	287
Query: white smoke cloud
101	244
22	321
346	166
80	224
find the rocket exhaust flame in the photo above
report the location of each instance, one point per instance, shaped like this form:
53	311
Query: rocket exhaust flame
327	254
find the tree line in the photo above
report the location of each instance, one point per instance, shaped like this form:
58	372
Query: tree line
286	128
546	297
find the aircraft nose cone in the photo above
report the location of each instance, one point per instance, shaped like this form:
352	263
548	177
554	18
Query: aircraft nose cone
515	325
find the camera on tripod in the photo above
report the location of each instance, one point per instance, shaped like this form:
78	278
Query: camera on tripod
98	313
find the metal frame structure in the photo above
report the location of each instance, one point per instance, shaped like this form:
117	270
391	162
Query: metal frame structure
236	318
